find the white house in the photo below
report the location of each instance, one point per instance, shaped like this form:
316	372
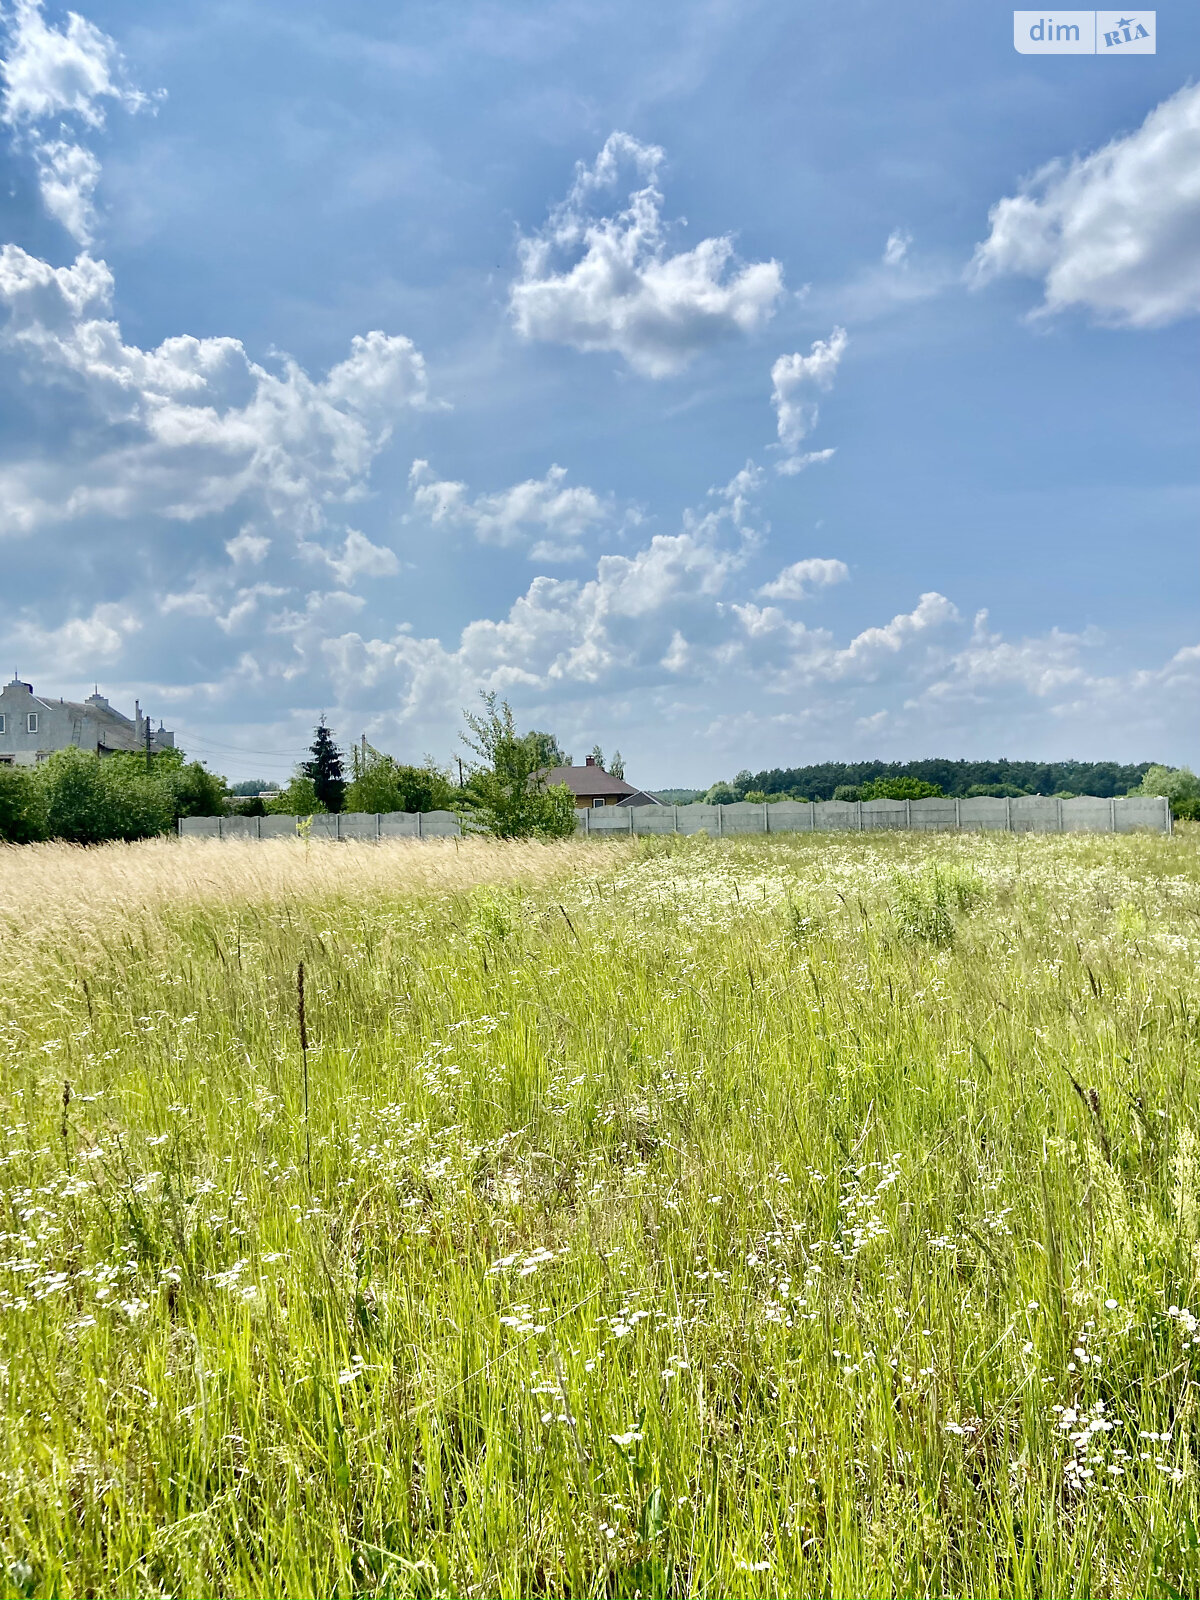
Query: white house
32	728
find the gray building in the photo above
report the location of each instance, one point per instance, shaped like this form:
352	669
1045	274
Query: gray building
32	728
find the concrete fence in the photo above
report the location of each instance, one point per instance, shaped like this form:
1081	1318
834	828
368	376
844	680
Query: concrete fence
1027	814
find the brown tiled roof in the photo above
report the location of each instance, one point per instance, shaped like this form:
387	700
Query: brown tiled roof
588	781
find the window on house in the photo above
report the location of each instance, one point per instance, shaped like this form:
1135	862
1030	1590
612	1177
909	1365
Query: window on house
31	725
3	723
596	803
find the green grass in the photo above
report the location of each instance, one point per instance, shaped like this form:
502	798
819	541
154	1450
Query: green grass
798	1215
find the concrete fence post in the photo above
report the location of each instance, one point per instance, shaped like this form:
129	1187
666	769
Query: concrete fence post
908	815
1112	815
1059	815
958	813
220	827
858	803
674	819
420	827
630	811
378	826
587	820
1008	812
766	817
720	819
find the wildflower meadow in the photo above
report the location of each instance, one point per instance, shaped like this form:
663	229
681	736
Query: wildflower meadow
789	1215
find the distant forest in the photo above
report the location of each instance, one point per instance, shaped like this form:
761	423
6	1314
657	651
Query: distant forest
955	777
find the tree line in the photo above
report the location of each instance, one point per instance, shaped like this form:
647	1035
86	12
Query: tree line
916	780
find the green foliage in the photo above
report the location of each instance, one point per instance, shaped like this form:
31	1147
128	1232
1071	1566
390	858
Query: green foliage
900	789
598	756
250	786
325	770
993	791
299	799
547	751
1186	810
848	792
928	903
90	799
382	783
507	795
616	765
722	794
194	790
1178	784
22	806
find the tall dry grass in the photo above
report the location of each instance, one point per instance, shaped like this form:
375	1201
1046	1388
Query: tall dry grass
60	892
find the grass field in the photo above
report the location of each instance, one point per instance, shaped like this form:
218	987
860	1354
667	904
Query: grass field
797	1215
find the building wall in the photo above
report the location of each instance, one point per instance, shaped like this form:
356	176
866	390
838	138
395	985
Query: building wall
62	724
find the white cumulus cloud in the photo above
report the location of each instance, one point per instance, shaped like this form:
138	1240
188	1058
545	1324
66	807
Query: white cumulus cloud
794	377
612	282
193	426
1116	232
59	76
798	581
547	516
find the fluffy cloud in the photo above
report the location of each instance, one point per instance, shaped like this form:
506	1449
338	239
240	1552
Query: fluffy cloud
546	516
53	73
895	250
68	174
193	426
798	581
75	645
1117	231
610	282
793	379
359	558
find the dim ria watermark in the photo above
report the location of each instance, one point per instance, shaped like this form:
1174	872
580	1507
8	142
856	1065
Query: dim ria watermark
1084	33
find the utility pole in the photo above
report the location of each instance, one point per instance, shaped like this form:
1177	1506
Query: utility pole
460	775
148	759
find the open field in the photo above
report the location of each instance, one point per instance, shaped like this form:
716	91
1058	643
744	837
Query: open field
794	1215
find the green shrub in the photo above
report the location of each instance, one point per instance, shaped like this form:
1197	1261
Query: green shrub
927	903
22	812
90	799
899	789
381	783
299	799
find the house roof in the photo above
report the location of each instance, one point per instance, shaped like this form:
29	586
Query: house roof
590	781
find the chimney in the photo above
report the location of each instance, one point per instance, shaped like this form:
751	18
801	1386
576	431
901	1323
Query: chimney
591	761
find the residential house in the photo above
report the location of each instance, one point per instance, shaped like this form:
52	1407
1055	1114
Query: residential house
32	728
592	786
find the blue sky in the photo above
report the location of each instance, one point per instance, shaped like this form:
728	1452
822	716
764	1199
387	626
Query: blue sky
741	385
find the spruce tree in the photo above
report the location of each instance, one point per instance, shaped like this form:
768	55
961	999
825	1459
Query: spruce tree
325	769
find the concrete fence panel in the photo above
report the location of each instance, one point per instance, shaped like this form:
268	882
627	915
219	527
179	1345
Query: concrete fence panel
277	827
398	825
791	816
1023	814
358	825
1034	813
1087	814
1142	811
239	827
885	814
983	811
